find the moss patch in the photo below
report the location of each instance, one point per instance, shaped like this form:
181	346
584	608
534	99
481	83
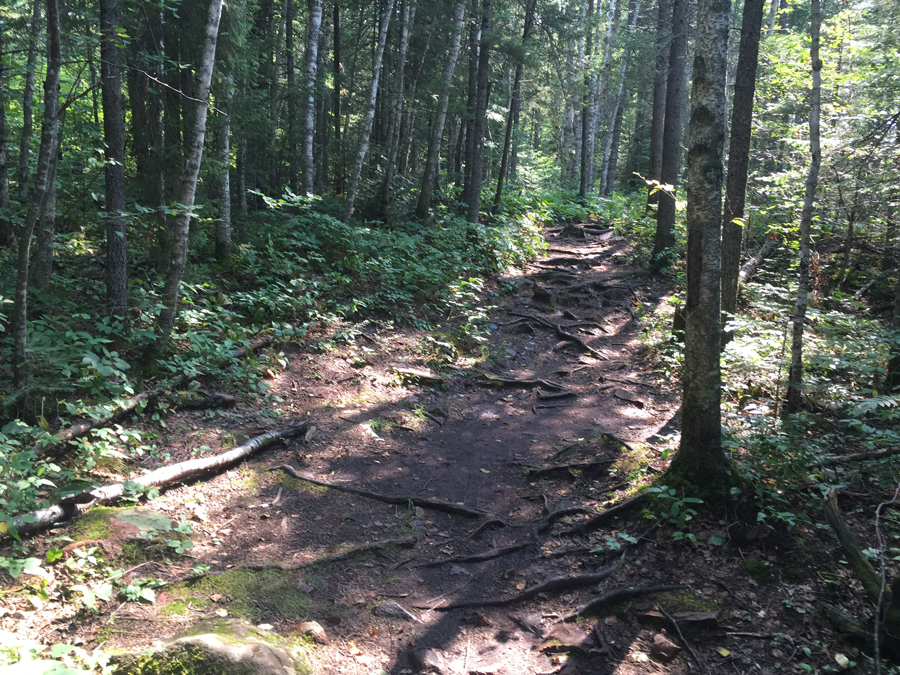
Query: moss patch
248	594
297	485
94	524
759	571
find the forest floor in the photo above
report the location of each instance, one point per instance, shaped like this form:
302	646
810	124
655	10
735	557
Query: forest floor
539	435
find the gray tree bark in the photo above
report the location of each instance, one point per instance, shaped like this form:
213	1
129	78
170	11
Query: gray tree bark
7	236
42	260
739	152
307	162
671	150
795	377
187	183
700	459
353	186
28	102
614	14
114	171
429	176
38	201
223	224
479	126
660	81
587	159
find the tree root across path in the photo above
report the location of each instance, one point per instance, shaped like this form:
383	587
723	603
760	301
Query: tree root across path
424	502
479	557
560	330
602	518
554	585
618	595
71	505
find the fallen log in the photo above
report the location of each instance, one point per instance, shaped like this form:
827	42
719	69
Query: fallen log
424	502
748	269
72	505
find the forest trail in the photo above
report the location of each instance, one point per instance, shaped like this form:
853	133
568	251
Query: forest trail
538	436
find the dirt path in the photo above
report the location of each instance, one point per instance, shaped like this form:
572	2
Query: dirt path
473	436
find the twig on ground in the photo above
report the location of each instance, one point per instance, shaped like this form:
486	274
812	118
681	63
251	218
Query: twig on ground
424	502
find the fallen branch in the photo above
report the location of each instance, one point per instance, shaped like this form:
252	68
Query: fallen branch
479	557
862	291
337	557
72	505
424	502
554	585
602	518
618	595
748	269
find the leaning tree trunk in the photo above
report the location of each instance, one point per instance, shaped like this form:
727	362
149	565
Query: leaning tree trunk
429	176
307	161
353	186
114	171
795	378
513	114
615	115
700	459
479	126
660	81
739	152
187	184
28	102
39	195
7	237
664	239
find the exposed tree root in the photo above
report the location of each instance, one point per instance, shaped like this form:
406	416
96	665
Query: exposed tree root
521	381
554	585
553	516
569	468
72	505
603	518
424	502
479	557
486	525
560	330
618	595
337	557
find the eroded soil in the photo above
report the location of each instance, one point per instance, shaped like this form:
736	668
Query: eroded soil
471	431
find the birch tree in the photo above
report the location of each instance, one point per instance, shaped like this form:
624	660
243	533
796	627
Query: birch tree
795	377
187	183
353	186
307	161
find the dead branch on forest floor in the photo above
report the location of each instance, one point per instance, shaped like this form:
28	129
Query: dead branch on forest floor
554	585
479	557
618	595
424	502
602	518
74	504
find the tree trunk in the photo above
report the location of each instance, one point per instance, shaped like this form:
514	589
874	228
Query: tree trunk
514	104
612	159
187	184
114	171
473	206
291	95
7	237
739	152
471	105
615	117
338	83
42	264
309	86
370	112
613	16
795	378
320	150
700	460
396	111
587	159
429	176
671	147
223	224
28	102
773	15
39	195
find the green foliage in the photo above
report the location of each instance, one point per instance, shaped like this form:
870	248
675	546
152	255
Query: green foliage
673	510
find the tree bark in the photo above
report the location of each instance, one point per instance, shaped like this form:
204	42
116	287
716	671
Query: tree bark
353	186
187	184
471	105
479	126
28	102
291	95
663	38
614	15
39	194
610	174
114	171
515	102
739	152
224	244
634	10
429	176
700	460
795	378
671	147
338	84
7	236
587	159
309	85
42	262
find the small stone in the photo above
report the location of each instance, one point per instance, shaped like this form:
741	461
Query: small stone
529	621
313	629
393	610
663	649
478	619
426	660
